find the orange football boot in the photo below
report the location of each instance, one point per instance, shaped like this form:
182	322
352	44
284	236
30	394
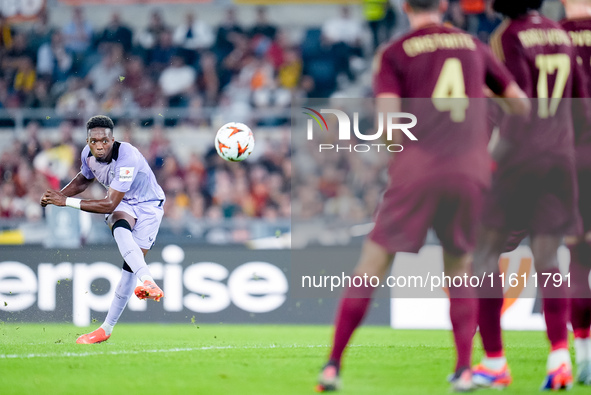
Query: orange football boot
149	291
94	337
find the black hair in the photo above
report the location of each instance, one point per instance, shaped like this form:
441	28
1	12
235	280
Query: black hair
424	5
514	9
100	121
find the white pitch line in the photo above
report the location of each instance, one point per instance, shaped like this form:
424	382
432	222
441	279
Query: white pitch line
123	352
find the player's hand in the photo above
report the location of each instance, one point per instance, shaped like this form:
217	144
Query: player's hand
53	197
488	93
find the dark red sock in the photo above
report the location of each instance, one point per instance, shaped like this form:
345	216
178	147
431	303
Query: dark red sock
350	313
463	312
556	316
580	315
555	305
581	333
580	304
490	307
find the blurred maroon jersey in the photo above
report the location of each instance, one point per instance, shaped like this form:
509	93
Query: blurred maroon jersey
439	180
539	54
423	60
580	34
579	31
535	187
443	72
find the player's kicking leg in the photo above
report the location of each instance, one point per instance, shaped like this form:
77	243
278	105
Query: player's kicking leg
555	306
134	254
580	308
134	267
492	371
374	261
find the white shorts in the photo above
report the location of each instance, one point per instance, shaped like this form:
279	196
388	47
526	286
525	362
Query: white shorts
148	216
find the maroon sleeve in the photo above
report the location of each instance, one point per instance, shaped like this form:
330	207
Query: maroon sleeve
498	76
386	77
580	80
508	50
581	106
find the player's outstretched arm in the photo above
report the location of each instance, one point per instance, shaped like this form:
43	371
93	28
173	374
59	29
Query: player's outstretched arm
77	185
74	187
99	206
385	103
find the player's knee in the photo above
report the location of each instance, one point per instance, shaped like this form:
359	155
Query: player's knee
126	267
120	223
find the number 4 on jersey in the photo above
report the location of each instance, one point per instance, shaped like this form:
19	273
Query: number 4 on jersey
450	85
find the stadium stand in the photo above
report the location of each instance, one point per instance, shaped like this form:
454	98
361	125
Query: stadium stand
162	74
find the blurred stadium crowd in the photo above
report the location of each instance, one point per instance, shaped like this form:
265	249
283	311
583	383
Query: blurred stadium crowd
166	64
79	68
204	187
189	64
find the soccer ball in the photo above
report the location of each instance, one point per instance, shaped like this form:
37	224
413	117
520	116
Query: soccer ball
234	142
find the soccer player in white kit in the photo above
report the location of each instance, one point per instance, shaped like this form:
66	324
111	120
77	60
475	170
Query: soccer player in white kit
133	209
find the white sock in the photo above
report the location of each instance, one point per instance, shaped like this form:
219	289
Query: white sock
494	364
557	358
107	328
123	292
146	277
131	252
582	350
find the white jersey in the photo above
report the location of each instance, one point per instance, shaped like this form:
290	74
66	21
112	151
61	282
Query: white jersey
128	171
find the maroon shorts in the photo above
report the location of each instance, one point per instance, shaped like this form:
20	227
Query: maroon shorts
452	205
538	198
583	222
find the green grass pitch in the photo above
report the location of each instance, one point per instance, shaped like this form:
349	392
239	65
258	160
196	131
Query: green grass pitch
151	359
